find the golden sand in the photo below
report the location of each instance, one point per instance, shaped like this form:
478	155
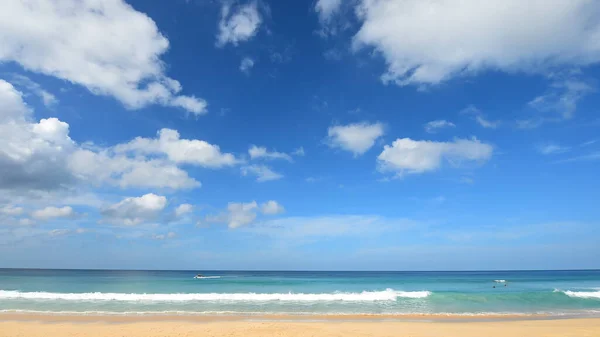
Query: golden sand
148	326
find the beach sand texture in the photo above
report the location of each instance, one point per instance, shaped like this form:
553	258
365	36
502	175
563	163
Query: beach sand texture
29	326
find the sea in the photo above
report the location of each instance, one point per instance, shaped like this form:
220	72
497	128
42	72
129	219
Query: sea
468	293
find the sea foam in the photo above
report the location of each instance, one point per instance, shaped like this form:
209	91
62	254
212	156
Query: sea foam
582	294
365	296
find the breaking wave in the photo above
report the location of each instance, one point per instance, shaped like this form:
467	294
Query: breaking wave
365	296
581	294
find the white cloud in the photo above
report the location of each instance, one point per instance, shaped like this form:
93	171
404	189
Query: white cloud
135	210
241	214
12	107
53	212
559	103
259	152
407	156
238	214
104	167
47	98
189	103
26	222
262	172
238	24
326	8
357	138
246	65
299	152
11	210
32	155
41	156
478	116
107	47
271	207
552	149
183	209
425	42
180	151
434	126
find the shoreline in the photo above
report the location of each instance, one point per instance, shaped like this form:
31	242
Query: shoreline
205	318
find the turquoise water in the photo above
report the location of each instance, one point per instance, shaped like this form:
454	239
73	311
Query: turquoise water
253	292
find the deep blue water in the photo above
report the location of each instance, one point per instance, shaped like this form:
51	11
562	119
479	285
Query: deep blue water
300	292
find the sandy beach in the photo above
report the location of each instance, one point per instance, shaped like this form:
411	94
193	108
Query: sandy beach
148	326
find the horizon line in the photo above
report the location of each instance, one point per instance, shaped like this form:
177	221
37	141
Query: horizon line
305	270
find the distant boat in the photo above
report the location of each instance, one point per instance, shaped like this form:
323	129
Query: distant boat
199	276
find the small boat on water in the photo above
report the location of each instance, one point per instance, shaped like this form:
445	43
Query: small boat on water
199	276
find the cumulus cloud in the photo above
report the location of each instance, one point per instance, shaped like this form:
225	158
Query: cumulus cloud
261	152
425	42
262	172
75	41
40	156
357	138
434	126
47	98
105	167
32	155
407	156
53	212
135	210
238	23
479	117
271	207
181	151
246	65
183	209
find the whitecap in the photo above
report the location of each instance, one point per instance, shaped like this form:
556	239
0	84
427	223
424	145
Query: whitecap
365	296
582	294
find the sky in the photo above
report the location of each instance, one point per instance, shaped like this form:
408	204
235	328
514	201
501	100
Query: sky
300	135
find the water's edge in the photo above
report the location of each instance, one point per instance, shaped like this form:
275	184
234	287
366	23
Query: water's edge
201	318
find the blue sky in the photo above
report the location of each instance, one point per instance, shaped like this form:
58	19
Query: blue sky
329	134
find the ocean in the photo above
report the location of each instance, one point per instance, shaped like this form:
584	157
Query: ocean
553	293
